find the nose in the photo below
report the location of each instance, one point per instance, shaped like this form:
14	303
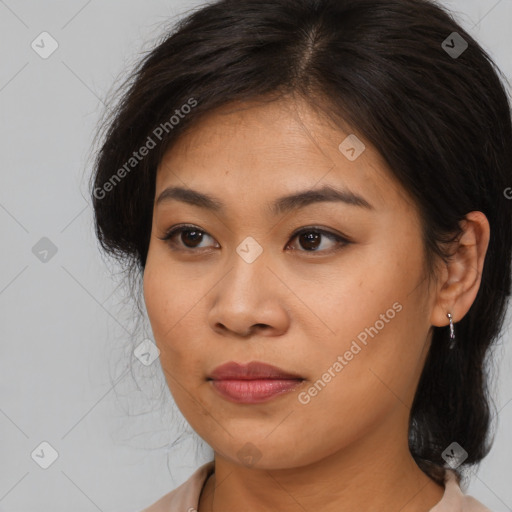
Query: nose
249	299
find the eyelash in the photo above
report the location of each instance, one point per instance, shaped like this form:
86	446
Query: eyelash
341	240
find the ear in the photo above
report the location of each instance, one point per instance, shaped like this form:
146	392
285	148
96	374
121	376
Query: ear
459	279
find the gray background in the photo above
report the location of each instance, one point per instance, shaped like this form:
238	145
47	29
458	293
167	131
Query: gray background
67	333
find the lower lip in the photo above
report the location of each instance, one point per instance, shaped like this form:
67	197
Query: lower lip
253	391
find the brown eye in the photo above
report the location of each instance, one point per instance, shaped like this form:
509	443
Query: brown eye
310	239
190	237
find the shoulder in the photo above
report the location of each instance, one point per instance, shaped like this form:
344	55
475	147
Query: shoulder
454	500
184	498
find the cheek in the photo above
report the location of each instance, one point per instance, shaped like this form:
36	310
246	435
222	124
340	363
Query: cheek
368	287
170	300
356	386
376	318
171	313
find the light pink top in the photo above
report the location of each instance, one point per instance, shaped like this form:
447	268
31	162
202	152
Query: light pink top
185	498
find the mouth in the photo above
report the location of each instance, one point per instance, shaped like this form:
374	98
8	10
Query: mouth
254	370
255	382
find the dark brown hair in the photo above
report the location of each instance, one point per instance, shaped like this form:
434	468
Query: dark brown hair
390	70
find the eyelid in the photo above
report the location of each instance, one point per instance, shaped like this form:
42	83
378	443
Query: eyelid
341	239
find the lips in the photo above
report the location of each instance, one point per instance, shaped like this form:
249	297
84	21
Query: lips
252	383
251	371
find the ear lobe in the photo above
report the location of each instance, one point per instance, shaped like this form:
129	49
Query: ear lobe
462	274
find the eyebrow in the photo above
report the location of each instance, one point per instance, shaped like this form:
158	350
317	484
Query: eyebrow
281	205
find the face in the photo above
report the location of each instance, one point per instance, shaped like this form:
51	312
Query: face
331	290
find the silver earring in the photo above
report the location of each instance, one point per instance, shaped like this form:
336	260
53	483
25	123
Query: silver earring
452	332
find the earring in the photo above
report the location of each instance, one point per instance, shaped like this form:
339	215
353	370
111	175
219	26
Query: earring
452	332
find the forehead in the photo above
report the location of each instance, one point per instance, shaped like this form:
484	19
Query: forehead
257	149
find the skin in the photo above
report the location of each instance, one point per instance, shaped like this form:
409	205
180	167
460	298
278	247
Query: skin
299	310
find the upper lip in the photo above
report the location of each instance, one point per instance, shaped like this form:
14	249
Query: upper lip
251	371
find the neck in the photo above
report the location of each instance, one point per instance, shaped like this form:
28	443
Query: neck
370	474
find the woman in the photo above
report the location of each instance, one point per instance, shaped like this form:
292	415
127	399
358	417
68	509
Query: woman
314	193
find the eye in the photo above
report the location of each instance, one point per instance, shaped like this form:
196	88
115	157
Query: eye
190	237
311	239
